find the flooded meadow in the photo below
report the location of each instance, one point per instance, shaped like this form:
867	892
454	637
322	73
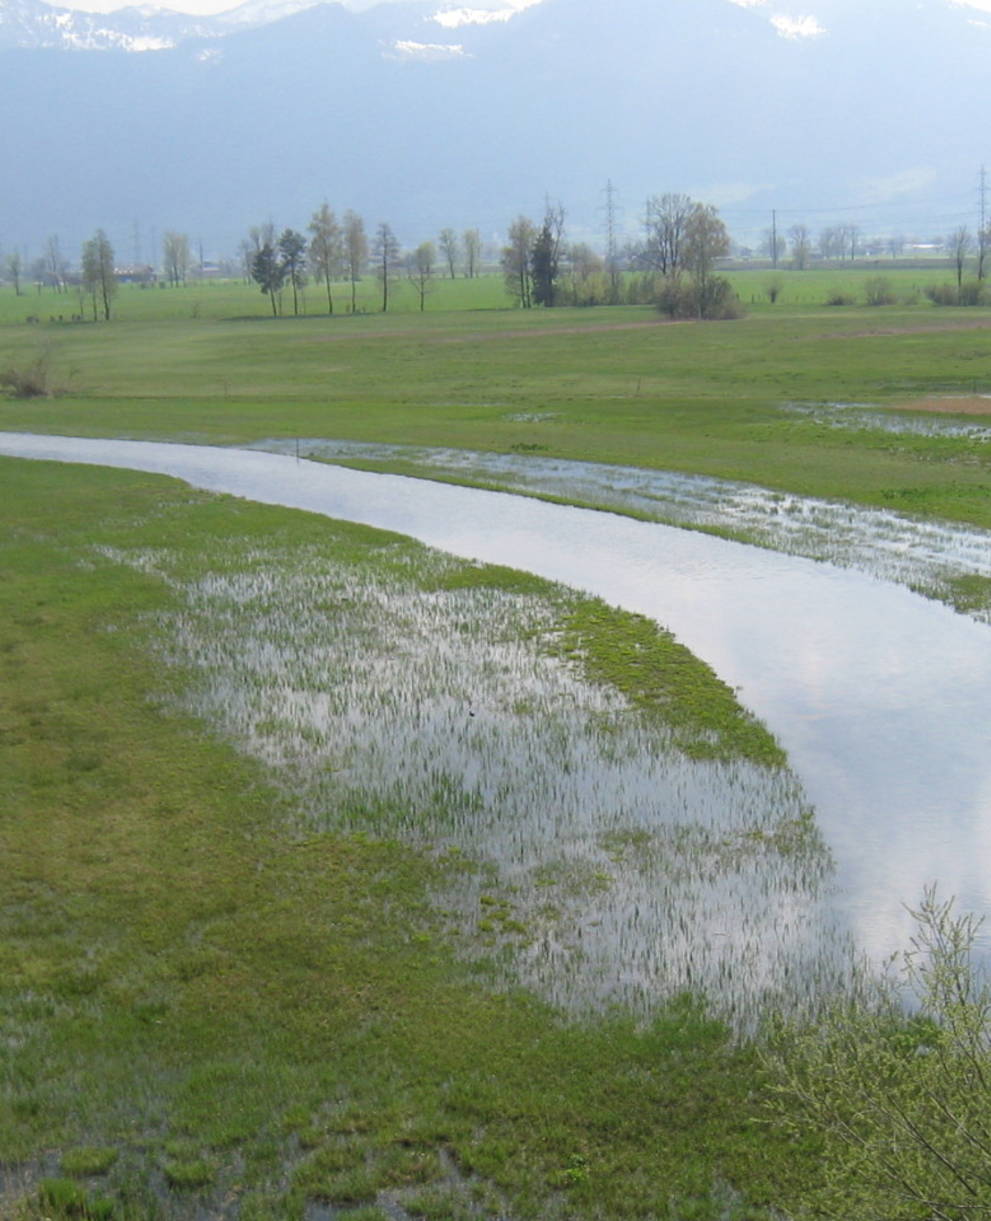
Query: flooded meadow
583	853
586	854
932	556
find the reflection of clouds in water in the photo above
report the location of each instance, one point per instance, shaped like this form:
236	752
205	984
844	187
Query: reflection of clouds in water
884	543
879	696
622	871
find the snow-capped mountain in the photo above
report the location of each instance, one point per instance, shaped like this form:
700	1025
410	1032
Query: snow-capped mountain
422	115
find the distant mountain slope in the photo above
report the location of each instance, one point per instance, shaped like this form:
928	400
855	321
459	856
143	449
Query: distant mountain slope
388	112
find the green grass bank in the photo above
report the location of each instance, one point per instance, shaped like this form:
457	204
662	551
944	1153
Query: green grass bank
206	1005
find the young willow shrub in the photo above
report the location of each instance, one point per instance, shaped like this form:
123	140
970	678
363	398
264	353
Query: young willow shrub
711	299
970	292
878	290
900	1098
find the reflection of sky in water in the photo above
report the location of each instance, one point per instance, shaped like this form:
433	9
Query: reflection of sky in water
880	697
880	542
626	871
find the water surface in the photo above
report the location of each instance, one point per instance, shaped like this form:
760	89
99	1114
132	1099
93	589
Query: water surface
880	697
913	552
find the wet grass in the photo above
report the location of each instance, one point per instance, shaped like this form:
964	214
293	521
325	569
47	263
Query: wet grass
941	560
629	653
211	1003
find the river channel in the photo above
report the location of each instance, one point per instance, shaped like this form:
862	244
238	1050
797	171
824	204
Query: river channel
881	698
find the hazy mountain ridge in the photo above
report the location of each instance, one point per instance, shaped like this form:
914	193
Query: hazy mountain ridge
251	119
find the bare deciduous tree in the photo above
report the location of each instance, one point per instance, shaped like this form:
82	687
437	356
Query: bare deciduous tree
801	246
516	261
665	222
959	243
175	257
98	271
386	252
471	239
355	251
56	264
545	256
326	256
420	270
14	267
447	240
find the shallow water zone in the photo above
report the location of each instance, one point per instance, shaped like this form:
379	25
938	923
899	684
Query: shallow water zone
879	696
586	856
919	554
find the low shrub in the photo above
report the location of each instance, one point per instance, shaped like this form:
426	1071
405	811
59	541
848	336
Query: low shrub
713	300
970	292
33	380
879	291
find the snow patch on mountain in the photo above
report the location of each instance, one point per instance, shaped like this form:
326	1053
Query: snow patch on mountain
431	52
453	18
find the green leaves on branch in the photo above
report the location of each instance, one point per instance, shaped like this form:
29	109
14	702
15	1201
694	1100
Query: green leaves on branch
899	1096
276	264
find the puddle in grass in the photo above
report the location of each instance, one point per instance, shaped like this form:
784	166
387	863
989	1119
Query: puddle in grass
847	416
880	698
915	553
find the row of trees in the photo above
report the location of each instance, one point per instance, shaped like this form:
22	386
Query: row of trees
844	243
340	251
683	241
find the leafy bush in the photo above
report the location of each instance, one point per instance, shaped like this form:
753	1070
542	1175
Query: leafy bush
899	1097
839	298
713	300
970	292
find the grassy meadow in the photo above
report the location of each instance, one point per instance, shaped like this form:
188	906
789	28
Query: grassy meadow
613	385
224	988
256	966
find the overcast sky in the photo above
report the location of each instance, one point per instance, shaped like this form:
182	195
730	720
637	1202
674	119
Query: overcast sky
791	17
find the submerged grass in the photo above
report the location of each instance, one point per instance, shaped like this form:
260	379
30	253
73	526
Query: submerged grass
207	1010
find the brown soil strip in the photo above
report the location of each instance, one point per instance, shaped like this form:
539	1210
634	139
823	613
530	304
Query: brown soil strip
964	404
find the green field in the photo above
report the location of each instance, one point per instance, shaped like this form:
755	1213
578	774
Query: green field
240	975
613	385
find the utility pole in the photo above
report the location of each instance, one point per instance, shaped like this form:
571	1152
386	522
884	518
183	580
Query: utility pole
611	255
982	224
774	237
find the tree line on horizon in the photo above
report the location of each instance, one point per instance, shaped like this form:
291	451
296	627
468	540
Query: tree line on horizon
671	263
